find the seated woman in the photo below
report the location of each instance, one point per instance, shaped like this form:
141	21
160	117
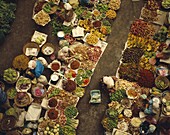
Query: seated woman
36	67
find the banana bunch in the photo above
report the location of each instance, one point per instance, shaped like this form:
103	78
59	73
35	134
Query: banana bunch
146	44
155	91
98	34
144	63
86	24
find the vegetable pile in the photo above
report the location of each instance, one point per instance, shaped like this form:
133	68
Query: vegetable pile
11	93
166	4
70	111
10	75
7	16
132	55
128	71
142	28
161	35
118	95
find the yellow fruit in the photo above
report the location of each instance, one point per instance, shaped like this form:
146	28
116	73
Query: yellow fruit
120	116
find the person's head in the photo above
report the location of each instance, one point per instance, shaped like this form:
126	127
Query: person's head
32	64
65	49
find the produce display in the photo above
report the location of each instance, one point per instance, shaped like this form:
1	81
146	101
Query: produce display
22	99
166	4
71	112
11	93
114	4
149	15
130	107
152	5
42	18
81	33
117	95
132	55
20	62
142	28
161	35
10	75
7	14
23	84
128	71
139	94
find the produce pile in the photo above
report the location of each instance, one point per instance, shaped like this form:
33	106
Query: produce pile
139	92
166	4
47	105
7	16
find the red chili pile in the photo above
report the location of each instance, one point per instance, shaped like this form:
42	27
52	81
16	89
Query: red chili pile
142	29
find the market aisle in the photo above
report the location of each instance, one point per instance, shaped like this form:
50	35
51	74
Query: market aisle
90	115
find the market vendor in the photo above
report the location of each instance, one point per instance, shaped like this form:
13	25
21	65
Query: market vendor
149	108
63	54
36	67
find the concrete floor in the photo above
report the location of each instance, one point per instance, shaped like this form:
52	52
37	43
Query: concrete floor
90	116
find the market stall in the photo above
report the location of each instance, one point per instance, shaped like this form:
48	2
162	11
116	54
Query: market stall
139	91
39	104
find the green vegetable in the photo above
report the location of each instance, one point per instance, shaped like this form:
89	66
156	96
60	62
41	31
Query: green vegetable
11	93
7	16
118	95
102	7
161	84
166	3
81	75
11	111
58	26
80	71
67	130
54	93
71	111
10	75
161	35
79	91
112	113
86	14
106	22
79	80
72	122
109	123
89	73
47	8
79	10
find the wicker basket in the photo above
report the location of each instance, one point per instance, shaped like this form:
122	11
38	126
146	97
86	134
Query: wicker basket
26	98
164	81
47	45
31	45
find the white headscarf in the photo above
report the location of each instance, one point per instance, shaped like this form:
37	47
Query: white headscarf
32	64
